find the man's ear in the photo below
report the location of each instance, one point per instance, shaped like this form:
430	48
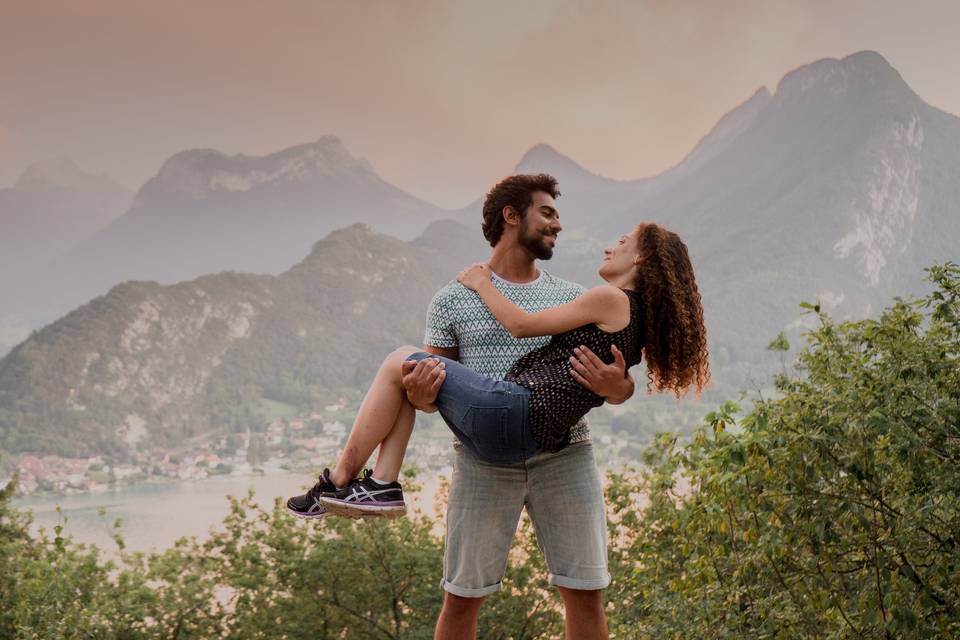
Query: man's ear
510	215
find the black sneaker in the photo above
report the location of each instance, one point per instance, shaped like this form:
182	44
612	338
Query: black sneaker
308	505
366	498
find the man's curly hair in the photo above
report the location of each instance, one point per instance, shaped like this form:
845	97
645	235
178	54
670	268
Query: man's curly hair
675	339
513	191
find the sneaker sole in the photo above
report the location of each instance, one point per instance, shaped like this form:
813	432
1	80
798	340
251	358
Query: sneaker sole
360	510
307	516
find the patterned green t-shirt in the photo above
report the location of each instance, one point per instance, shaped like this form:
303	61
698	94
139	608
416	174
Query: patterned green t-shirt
457	317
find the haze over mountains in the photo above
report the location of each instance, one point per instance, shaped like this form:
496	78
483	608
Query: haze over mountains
53	206
841	185
206	212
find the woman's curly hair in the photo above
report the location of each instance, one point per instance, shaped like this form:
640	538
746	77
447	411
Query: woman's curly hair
675	339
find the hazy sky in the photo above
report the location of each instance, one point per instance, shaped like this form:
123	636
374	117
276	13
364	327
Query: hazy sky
442	97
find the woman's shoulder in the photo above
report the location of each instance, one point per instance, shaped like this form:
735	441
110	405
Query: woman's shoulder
607	293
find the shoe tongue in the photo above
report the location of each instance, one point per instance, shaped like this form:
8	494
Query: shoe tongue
324	480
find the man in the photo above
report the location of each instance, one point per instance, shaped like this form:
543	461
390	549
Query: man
561	491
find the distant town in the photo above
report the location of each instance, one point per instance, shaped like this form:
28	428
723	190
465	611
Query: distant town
300	444
295	444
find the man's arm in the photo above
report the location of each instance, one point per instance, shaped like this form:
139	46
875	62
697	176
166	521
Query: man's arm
423	379
611	381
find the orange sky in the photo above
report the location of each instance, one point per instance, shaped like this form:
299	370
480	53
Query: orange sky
442	97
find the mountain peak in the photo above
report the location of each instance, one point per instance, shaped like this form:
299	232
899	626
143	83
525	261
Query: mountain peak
326	152
356	236
541	152
201	171
60	172
861	71
544	158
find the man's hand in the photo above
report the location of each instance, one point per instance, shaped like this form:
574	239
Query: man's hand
423	380
608	380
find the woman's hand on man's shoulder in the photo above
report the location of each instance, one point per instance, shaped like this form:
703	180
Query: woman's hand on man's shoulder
474	276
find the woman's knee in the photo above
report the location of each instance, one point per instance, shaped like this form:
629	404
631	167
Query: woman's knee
404	351
400	354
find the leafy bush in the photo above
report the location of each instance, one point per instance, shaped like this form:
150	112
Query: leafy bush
831	511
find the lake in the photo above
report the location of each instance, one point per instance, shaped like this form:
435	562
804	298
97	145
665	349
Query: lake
155	515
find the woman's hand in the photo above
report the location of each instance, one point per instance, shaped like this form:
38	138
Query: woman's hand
475	275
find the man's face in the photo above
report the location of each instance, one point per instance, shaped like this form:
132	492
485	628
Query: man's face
539	228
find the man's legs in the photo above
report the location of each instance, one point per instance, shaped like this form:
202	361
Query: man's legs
565	503
584	617
458	618
482	516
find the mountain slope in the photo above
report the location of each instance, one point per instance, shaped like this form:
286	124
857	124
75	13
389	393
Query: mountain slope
205	212
199	355
842	187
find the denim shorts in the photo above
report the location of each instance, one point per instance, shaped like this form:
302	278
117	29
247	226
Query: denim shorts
490	417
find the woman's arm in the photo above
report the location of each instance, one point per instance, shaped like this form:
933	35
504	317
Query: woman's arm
604	305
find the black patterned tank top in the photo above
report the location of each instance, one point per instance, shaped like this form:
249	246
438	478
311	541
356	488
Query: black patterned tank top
557	401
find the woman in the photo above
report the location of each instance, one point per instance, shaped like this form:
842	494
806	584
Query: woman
649	306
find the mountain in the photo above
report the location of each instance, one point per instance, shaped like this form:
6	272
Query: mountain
53	206
839	186
202	355
586	197
206	212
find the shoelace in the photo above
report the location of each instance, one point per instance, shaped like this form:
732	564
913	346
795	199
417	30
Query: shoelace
324	479
317	489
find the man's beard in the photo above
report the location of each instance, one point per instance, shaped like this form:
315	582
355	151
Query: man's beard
535	242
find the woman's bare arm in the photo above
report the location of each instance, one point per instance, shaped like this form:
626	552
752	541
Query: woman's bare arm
605	305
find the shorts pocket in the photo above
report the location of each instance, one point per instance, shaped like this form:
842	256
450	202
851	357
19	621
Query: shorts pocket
488	427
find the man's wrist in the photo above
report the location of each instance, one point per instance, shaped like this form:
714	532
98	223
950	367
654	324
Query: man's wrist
623	393
421	404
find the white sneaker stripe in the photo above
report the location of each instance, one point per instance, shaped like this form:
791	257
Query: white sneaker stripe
366	496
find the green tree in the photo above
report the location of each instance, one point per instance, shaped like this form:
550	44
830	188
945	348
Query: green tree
262	574
833	511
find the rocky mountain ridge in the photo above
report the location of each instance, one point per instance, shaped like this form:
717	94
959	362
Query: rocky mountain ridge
841	186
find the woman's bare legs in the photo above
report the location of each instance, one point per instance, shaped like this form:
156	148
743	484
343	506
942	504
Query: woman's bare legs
385	418
394	447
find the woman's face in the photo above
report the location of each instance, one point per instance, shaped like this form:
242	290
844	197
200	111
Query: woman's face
621	257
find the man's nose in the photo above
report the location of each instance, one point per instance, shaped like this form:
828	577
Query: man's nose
556	226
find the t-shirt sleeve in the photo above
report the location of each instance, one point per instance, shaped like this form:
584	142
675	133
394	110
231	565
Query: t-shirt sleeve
440	331
575	290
